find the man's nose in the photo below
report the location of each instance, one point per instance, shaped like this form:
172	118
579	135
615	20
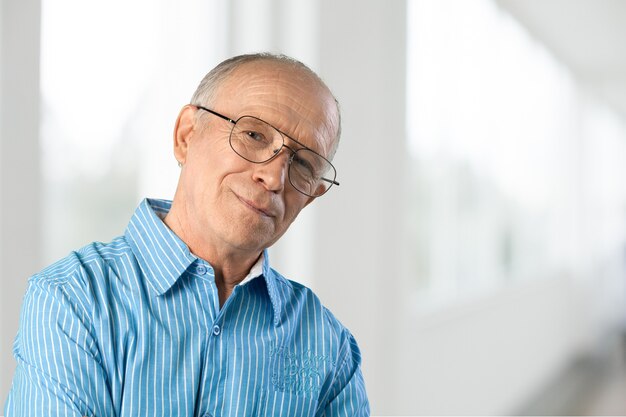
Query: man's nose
273	173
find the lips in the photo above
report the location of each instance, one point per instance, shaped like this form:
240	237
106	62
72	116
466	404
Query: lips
256	207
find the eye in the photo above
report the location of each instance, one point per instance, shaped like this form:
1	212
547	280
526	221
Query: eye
256	136
303	166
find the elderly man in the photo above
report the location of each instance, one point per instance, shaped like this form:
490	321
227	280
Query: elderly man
183	315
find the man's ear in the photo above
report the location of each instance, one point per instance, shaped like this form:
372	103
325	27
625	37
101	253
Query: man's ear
183	130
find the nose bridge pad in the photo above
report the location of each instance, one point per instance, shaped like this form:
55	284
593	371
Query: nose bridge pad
293	154
277	152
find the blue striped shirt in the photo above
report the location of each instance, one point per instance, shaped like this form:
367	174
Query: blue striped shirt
134	328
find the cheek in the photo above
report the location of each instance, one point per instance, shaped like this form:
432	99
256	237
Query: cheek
212	162
210	142
294	203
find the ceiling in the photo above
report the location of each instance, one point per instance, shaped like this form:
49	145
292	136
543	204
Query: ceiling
589	36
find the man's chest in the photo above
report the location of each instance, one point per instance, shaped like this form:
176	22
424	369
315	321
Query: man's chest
179	356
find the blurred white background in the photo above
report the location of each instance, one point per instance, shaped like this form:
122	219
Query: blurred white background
477	244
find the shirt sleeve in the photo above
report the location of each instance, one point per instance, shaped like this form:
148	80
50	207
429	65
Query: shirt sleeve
59	370
347	396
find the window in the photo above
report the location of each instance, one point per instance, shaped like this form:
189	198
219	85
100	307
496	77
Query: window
499	153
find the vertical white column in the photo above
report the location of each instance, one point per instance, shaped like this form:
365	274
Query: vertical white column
359	269
20	188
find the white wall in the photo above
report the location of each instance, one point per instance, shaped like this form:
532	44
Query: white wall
20	191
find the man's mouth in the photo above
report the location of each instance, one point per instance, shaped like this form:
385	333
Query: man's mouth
264	211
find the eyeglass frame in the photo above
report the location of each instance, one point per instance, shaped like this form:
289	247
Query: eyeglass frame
283	134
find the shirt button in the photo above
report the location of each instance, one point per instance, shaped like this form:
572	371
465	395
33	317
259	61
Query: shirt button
201	269
216	330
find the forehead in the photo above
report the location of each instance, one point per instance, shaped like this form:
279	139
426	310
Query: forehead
289	98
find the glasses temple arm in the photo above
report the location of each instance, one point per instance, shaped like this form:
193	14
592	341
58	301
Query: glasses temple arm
330	181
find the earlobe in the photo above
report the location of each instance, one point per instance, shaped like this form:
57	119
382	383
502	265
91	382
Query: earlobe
183	130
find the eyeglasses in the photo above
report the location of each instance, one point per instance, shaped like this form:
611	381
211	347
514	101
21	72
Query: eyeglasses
257	141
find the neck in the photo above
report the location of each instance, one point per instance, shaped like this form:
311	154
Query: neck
231	265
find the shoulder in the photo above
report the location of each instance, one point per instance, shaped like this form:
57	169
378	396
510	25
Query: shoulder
77	276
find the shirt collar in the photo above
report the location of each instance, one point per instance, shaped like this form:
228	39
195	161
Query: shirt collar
255	271
163	257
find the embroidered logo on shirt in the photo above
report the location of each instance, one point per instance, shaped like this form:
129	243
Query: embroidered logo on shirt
297	372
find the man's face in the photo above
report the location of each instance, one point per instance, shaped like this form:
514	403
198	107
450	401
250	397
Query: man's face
233	203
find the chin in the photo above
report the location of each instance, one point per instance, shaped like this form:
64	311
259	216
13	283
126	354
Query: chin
251	238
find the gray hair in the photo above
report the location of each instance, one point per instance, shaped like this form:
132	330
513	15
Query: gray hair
208	88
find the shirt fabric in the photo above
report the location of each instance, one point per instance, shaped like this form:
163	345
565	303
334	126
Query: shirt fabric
134	328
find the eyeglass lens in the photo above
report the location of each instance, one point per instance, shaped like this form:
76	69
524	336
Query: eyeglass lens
257	141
